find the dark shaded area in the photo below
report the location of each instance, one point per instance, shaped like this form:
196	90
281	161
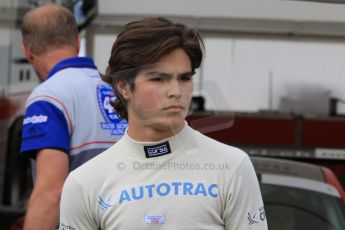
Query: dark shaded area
8	216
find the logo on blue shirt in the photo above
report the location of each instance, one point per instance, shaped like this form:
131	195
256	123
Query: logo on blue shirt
113	122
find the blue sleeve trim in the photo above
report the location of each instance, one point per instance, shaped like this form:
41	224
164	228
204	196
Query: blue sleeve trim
44	126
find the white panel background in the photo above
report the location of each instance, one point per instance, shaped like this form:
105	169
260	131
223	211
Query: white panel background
236	72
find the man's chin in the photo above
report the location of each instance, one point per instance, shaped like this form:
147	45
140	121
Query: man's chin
169	124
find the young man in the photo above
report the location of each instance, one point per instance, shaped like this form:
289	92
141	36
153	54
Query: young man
162	174
68	117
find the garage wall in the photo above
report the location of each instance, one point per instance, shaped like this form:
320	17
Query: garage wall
260	55
251	74
274	74
268	16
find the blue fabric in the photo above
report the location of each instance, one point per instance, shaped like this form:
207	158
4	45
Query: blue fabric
75	62
44	126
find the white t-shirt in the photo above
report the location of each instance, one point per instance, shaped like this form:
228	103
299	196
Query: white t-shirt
188	181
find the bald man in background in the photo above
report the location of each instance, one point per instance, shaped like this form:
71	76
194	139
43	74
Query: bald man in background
68	118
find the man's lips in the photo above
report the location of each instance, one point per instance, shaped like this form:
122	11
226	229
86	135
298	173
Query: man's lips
174	108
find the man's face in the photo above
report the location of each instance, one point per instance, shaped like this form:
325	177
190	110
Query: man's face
162	93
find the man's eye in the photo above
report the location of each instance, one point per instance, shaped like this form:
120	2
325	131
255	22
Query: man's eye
186	77
158	79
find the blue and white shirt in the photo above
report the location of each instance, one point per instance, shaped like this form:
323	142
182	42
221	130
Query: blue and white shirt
71	112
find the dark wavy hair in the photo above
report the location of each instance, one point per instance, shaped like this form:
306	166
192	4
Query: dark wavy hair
142	43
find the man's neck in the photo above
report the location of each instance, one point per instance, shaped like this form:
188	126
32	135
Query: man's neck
54	56
151	133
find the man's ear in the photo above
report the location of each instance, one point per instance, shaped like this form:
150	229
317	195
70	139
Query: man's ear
124	89
27	53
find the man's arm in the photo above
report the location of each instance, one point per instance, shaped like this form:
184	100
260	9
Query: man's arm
77	208
244	209
43	209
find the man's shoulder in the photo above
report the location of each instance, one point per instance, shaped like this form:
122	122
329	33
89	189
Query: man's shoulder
49	91
66	82
209	142
96	168
73	75
210	146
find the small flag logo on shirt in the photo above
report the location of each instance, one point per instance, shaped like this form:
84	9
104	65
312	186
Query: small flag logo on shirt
157	219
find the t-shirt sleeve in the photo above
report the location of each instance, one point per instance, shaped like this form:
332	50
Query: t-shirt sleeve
74	208
44	126
244	206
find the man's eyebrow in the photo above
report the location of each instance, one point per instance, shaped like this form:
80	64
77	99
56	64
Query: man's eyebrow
157	73
164	74
187	73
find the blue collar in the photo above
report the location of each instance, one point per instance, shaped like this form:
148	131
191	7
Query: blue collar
75	62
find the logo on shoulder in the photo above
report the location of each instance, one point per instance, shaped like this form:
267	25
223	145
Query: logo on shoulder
256	216
157	150
113	122
35	119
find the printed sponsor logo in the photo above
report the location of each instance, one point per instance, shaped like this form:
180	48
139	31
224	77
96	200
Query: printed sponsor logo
33	137
157	150
256	216
104	204
152	191
113	122
157	219
33	133
35	119
66	227
252	219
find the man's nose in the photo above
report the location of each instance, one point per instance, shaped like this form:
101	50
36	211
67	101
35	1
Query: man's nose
174	88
